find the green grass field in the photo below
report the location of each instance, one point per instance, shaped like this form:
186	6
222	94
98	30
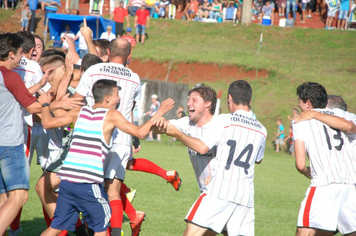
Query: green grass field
292	56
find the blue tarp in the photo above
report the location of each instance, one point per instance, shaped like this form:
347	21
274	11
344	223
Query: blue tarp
57	23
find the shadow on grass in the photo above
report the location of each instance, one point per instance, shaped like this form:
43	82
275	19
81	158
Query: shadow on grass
33	227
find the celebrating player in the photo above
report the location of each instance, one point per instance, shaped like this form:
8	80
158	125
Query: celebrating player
228	201
329	202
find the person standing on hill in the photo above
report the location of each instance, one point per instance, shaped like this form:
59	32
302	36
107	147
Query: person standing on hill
119	15
142	21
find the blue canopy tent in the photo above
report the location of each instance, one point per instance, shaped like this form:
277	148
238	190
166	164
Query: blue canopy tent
57	23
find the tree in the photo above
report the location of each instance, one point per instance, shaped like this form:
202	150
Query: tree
246	12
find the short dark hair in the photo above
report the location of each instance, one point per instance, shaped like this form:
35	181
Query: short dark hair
28	41
102	88
9	42
52	59
89	60
207	93
120	48
38	37
335	101
51	52
240	92
314	92
103	45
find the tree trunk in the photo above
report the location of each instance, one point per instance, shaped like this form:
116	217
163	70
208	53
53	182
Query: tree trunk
246	12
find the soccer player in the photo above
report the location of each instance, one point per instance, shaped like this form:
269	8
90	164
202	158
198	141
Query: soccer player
329	202
228	201
82	172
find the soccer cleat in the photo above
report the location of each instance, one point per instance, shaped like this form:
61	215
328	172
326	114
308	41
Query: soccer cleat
173	178
136	224
11	232
131	195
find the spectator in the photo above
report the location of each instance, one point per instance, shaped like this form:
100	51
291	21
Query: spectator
281	7
343	13
108	34
13	96
267	10
33	7
295	113
204	9
216	9
257	9
25	16
151	7
73	6
142	21
291	4
132	41
289	141
83	48
120	14
330	18
304	8
49	6
134	6
163	8
153	109
279	135
191	9
180	112
67	33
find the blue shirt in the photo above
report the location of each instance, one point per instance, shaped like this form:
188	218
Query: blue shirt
345	5
33	4
53	7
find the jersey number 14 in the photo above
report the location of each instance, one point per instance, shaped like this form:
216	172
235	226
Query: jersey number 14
244	164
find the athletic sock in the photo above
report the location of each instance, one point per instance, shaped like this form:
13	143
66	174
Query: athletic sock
145	165
116	216
124	189
63	233
15	224
126	204
46	217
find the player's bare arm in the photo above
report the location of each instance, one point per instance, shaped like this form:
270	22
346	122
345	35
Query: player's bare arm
87	33
49	122
333	121
65	81
299	149
192	143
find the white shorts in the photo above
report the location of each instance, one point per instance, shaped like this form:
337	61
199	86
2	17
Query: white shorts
116	161
329	208
39	142
215	214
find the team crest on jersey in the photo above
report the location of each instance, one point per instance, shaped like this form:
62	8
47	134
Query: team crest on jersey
23	62
116	70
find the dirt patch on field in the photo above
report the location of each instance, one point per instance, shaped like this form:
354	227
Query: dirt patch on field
192	72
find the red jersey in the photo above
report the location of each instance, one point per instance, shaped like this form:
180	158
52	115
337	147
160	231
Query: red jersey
142	16
130	39
119	14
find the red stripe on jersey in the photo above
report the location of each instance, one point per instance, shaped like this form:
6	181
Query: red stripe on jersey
24	70
28	141
195	208
114	77
307	207
249	129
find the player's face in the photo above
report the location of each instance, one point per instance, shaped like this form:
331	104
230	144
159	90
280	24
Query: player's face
303	105
196	107
36	55
114	98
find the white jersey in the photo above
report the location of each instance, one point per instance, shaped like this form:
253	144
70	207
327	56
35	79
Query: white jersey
31	74
347	116
107	36
130	91
241	145
330	152
203	165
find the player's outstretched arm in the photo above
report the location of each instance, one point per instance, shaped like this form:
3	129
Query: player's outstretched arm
192	143
299	149
49	122
332	121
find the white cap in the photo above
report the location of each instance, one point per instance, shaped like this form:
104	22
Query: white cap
154	96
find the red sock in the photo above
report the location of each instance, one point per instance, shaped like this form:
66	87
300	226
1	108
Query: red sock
126	204
15	225
63	233
124	188
79	223
46	217
145	165
116	214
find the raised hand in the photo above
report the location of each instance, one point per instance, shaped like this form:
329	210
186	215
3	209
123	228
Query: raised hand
166	106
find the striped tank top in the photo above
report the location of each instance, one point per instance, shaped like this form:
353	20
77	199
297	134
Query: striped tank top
88	150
